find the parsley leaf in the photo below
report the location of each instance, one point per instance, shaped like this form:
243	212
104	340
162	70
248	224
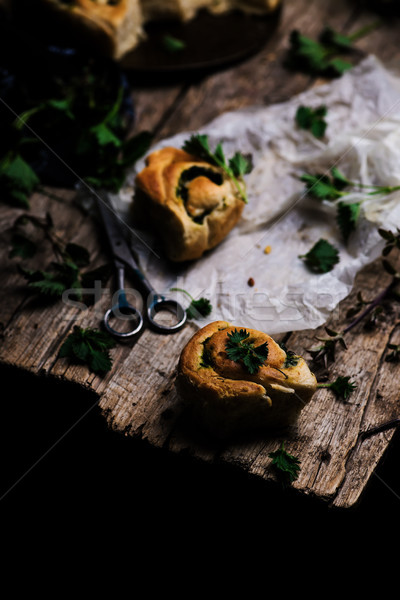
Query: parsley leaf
197	308
287	465
342	387
173	44
312	119
322	257
239	165
89	346
314	57
238	349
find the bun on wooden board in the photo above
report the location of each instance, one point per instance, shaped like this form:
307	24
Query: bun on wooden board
226	399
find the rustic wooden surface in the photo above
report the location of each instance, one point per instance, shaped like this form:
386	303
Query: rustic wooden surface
137	398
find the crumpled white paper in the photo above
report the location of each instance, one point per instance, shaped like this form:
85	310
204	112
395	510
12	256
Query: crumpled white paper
362	139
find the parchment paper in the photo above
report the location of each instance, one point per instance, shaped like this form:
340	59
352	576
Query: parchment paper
362	139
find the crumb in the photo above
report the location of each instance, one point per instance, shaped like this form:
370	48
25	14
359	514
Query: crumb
250	282
267	249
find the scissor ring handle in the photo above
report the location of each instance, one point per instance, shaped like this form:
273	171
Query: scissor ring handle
172	306
127	310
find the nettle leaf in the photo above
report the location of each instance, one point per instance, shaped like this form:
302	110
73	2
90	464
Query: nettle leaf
322	257
347	218
89	346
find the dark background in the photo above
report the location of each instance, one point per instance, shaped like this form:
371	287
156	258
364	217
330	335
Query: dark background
65	474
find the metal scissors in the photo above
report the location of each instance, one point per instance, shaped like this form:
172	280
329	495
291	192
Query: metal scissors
122	309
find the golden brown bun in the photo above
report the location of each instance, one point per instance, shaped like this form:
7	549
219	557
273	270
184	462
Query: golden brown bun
226	399
112	28
192	220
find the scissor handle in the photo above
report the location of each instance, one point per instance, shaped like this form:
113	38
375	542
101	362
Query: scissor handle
159	303
122	310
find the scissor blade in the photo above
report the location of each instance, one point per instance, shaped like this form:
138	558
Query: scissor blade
116	230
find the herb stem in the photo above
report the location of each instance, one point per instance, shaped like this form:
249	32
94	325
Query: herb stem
374	303
365	30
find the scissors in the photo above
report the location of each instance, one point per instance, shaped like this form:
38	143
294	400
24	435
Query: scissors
123	258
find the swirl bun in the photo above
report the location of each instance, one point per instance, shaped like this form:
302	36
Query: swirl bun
226	398
191	204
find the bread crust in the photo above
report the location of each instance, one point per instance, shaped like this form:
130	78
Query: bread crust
192	225
225	399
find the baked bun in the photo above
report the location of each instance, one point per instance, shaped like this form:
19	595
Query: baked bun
114	27
191	204
226	399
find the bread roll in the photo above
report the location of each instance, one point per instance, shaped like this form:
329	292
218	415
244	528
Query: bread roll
115	27
191	204
226	399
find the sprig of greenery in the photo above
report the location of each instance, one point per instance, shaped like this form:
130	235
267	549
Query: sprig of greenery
323	57
287	465
333	186
201	307
322	257
342	387
67	272
312	119
238	166
89	111
89	346
239	349
326	351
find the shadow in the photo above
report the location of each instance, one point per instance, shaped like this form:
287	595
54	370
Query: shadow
64	472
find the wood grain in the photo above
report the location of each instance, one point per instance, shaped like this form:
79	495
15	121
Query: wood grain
138	397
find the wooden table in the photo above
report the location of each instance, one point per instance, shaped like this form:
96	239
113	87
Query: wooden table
137	398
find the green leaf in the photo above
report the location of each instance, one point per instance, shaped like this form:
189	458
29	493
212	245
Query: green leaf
287	465
198	146
173	44
347	217
338	41
104	135
240	164
199	308
238	348
342	387
89	346
322	257
312	119
321	187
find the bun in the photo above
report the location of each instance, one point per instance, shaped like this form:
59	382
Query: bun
191	204
226	399
115	27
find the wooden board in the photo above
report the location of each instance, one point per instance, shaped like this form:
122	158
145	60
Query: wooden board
137	398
